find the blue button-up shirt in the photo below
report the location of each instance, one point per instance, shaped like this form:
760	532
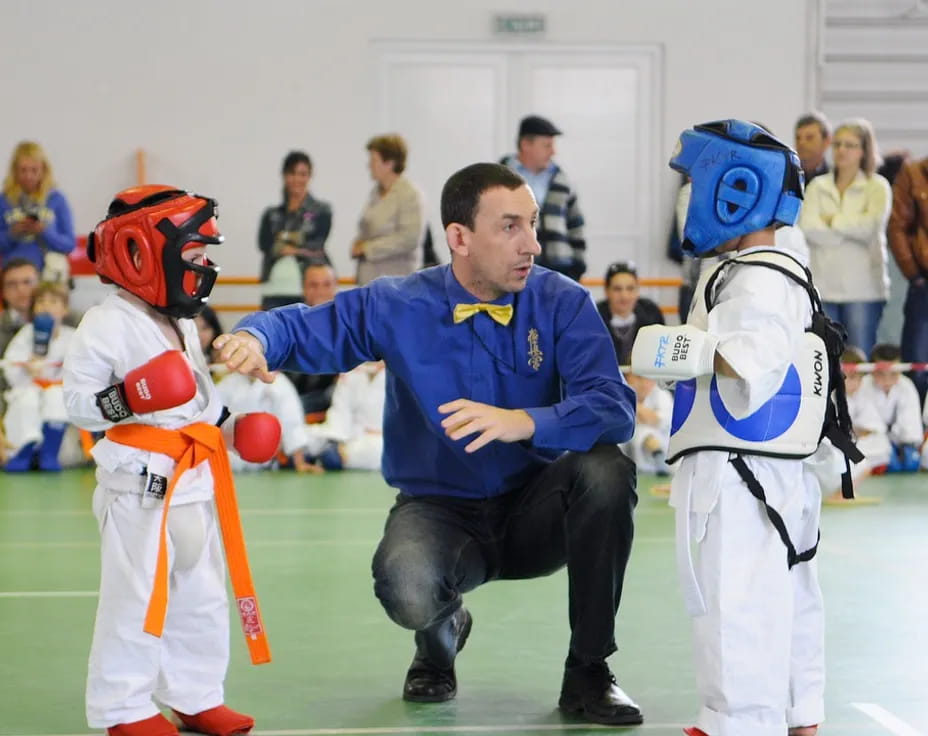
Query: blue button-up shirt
555	360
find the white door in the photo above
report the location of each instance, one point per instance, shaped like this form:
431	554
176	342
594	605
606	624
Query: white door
461	104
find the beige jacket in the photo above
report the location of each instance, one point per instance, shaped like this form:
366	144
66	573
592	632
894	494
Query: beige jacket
391	227
848	258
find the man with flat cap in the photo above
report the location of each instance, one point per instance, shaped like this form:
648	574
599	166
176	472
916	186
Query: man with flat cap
560	223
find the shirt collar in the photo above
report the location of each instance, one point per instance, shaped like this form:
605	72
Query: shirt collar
516	164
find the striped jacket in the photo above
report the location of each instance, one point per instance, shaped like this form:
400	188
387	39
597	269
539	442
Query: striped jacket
560	228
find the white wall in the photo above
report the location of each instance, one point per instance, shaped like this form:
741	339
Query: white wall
217	92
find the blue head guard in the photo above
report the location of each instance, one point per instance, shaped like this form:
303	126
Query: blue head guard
744	179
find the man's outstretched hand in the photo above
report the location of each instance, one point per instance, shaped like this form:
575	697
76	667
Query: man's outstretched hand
242	352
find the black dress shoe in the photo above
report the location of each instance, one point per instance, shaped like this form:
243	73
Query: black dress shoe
590	692
428	683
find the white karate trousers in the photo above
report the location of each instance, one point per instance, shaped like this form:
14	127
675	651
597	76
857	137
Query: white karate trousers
131	672
759	640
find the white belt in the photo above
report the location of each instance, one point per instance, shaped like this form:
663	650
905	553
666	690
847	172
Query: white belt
692	596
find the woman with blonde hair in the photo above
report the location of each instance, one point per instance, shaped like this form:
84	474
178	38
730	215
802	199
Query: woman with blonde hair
35	219
392	225
844	220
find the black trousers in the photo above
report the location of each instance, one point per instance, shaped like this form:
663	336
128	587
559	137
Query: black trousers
576	512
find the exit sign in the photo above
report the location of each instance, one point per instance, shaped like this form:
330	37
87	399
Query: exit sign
524	24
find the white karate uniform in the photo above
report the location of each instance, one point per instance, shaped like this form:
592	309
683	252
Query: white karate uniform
751	612
898	409
872	439
243	394
660	401
130	671
355	418
29	405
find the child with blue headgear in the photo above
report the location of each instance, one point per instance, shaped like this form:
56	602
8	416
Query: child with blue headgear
750	402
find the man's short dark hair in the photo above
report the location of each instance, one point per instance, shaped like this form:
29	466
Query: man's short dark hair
815	118
16	263
460	196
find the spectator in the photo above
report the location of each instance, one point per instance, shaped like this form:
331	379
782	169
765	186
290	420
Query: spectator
893	162
392	223
35	219
813	137
319	284
869	427
648	447
844	220
20	278
292	234
560	221
315	391
624	311
896	400
36	418
908	239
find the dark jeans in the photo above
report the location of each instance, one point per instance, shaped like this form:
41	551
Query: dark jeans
860	319
915	334
577	511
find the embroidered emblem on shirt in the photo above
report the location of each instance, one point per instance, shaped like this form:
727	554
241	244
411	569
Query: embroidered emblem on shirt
535	356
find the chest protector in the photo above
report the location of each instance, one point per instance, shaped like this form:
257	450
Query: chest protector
790	424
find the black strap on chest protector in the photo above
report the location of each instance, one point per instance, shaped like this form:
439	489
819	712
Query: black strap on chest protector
757	490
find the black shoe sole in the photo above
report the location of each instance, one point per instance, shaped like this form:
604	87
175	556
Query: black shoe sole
574	708
430	698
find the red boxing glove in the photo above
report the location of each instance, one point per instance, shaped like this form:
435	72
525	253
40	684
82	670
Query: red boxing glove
256	437
163	382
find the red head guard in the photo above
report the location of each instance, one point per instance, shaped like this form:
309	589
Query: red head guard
160	222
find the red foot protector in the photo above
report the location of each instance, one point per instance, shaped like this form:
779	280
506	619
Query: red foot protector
218	721
694	732
155	726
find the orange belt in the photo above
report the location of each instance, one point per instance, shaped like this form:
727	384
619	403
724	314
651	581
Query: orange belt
46	382
189	447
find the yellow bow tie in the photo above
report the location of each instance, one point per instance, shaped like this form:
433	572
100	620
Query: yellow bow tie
502	313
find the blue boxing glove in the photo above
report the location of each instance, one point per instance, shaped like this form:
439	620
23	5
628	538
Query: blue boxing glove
43	325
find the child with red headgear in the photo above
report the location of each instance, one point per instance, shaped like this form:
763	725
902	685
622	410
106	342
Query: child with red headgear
135	370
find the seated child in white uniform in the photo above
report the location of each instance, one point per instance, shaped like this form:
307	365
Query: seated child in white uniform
351	437
648	447
869	427
897	402
36	418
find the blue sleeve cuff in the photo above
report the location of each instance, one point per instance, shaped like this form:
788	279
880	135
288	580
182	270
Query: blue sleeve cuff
546	427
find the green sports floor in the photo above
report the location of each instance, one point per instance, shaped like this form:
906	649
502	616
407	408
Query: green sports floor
339	662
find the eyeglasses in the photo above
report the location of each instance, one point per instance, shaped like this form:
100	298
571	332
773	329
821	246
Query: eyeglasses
845	144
